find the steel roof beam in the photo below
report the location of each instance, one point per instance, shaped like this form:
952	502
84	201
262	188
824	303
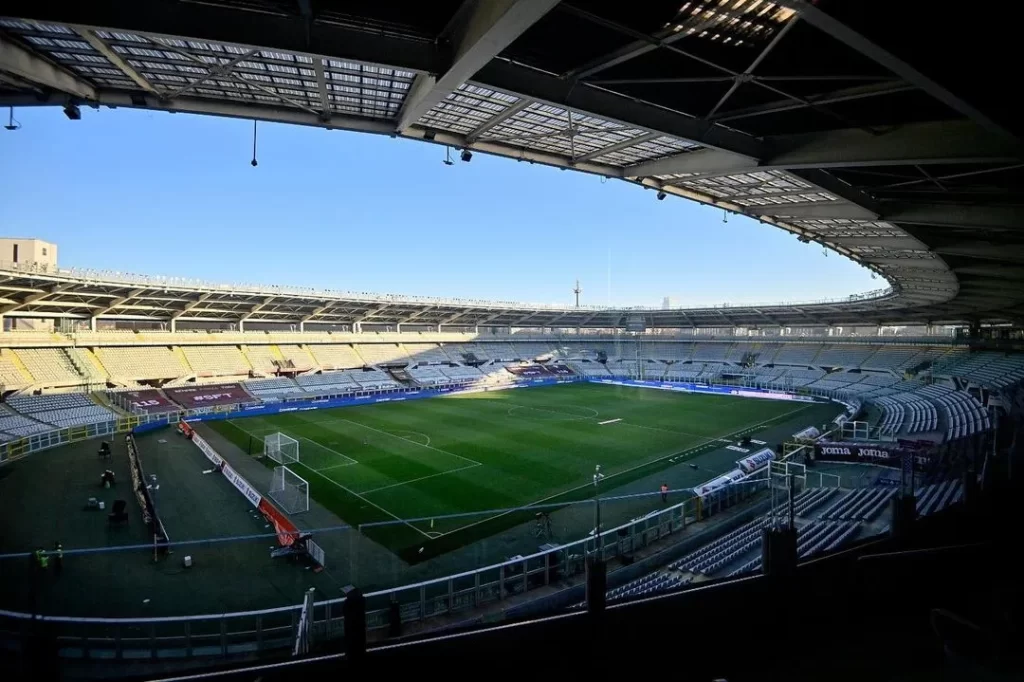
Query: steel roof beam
321	85
117	302
534	84
618	146
943	142
114	58
854	40
813	209
955	215
1010	253
203	21
34	298
836	97
507	113
28	66
480	31
190	306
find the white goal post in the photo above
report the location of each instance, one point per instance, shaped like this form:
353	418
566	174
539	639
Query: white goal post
289	490
281	448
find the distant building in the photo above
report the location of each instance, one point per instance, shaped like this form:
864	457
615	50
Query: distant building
27	253
667	303
23	251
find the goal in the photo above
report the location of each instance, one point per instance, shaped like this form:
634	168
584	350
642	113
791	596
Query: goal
289	490
281	448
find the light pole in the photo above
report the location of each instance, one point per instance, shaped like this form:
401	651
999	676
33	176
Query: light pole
598	541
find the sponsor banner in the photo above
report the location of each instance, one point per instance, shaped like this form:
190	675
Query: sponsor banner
883	454
749	465
736	448
233	476
718	483
193	397
685	387
810	433
147	400
286	531
243	486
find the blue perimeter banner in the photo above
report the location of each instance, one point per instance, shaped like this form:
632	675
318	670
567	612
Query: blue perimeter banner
420	393
326	403
685	387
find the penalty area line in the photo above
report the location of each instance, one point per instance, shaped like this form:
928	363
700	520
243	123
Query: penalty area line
609	421
689	453
421	478
355	494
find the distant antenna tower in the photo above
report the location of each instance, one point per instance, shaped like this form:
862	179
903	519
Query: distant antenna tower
577	291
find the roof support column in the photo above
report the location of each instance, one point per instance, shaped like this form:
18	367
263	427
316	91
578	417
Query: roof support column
481	30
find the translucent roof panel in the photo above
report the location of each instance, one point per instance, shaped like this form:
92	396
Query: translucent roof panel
227	71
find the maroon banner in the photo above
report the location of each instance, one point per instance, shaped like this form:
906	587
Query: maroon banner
193	397
148	400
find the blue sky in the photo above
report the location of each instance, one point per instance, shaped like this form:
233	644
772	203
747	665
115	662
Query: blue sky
173	194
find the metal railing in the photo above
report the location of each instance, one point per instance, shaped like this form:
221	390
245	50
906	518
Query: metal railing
253	631
227	634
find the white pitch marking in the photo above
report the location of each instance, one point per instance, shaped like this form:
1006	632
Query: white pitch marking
355	494
609	421
348	463
421	478
407	440
693	450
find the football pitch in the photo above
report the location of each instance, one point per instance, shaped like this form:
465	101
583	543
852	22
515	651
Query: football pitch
431	469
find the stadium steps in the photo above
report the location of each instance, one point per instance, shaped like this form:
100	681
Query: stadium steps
16	361
275	350
88	356
454	356
814	360
184	360
355	349
314	363
304	354
252	368
103	400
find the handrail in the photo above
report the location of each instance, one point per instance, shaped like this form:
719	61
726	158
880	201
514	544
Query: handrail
522	560
118	277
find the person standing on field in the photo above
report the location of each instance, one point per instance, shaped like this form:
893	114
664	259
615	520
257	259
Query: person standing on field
58	557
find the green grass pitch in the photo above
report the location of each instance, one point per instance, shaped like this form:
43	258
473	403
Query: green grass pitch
424	459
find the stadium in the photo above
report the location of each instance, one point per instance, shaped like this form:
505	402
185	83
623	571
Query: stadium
239	477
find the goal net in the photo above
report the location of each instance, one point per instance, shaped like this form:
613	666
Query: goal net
289	490
281	448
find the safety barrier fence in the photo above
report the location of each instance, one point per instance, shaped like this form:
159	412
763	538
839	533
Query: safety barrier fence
228	634
448	596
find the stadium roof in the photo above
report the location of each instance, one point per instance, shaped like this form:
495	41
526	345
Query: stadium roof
852	125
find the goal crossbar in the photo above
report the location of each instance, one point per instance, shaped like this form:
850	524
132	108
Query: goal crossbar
281	448
289	490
